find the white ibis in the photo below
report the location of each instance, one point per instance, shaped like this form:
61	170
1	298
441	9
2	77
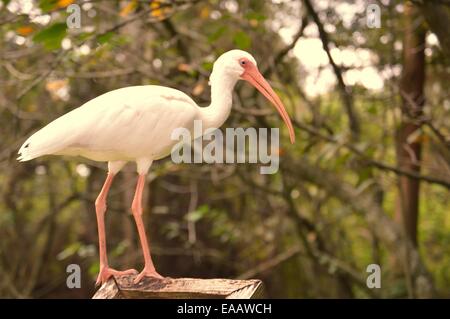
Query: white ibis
135	124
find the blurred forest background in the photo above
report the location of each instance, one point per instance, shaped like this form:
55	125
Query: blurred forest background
366	182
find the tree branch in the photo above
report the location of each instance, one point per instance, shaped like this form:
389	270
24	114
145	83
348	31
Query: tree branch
371	161
384	228
345	94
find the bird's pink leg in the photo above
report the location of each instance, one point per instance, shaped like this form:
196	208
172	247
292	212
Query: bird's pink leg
136	208
100	210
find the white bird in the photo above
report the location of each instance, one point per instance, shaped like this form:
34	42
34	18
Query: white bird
135	124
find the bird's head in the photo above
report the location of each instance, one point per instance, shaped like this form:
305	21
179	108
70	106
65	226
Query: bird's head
241	65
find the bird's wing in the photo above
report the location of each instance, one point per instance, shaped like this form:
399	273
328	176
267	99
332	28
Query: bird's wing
124	118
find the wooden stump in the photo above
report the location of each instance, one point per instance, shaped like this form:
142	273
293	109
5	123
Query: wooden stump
179	288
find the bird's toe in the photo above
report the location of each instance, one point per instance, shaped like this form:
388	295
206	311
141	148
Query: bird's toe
106	273
147	273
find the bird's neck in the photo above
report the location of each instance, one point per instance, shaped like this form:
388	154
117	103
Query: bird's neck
214	115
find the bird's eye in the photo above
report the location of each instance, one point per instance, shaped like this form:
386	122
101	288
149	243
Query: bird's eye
243	62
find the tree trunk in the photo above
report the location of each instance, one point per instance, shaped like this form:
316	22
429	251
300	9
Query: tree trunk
408	140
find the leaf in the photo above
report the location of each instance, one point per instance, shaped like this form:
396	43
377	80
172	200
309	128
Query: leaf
242	40
64	3
207	66
52	36
204	12
94	268
156	9
129	8
372	109
194	216
85	35
120	249
68	251
104	38
48	5
197	214
255	16
25	30
217	34
254	23
364	174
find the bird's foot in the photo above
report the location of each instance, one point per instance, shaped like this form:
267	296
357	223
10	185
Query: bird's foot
147	272
106	272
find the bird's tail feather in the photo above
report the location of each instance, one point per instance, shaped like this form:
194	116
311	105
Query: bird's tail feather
35	146
55	136
28	151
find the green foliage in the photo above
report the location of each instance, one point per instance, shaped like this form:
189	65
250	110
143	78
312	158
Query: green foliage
242	40
221	30
52	36
48	5
105	38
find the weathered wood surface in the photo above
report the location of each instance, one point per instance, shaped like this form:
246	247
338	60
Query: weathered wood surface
179	288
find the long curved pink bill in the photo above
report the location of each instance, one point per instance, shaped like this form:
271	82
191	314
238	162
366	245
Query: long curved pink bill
254	77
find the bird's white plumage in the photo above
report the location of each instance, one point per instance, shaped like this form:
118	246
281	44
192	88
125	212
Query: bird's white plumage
135	123
124	124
